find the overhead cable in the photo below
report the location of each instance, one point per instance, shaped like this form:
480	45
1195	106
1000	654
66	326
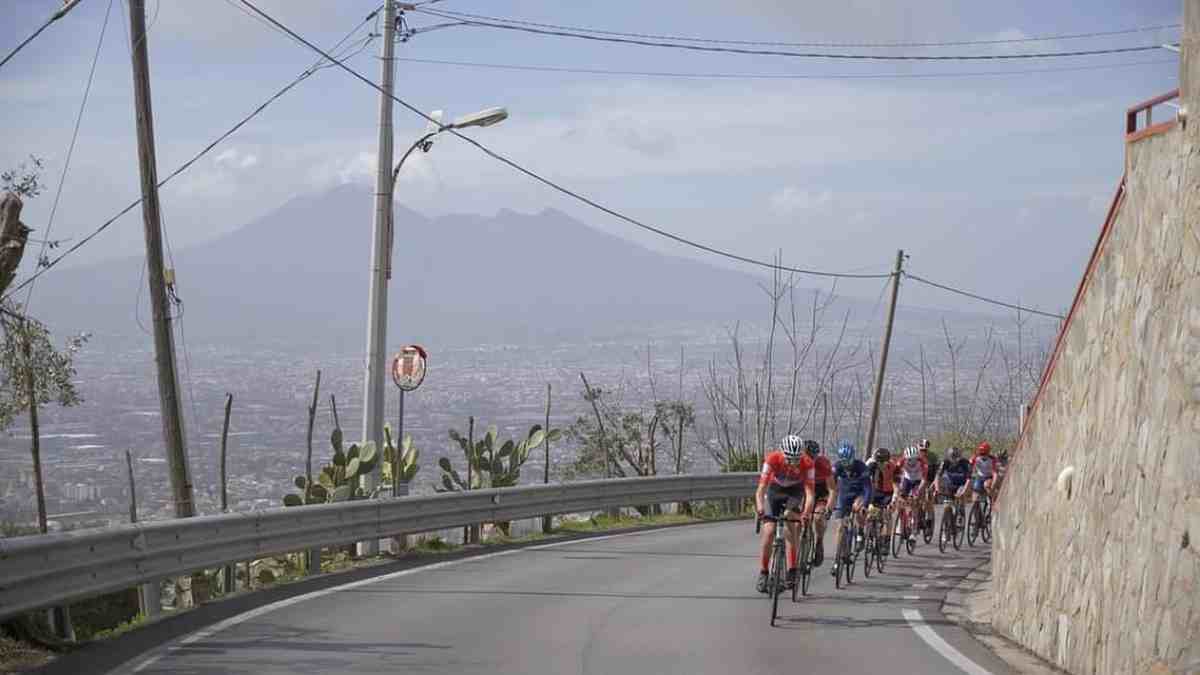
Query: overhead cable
62	11
62	179
546	181
804	55
772	43
188	164
775	76
982	298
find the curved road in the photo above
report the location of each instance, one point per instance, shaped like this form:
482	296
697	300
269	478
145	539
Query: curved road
676	600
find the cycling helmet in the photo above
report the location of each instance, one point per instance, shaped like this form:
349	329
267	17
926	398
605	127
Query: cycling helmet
924	444
846	451
791	448
984	448
954	453
882	454
812	447
911	452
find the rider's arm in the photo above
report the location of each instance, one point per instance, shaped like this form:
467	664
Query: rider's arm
759	493
810	497
870	490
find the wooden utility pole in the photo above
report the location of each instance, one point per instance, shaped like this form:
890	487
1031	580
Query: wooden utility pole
164	341
883	352
229	581
547	521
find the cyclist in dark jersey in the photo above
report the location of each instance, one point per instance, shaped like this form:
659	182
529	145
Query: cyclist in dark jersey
853	492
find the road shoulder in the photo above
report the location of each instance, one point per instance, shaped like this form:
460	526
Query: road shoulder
969	604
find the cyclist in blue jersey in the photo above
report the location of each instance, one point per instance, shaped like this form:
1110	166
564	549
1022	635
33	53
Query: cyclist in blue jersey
852	492
953	472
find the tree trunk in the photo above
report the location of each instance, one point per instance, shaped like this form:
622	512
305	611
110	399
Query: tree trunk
13	236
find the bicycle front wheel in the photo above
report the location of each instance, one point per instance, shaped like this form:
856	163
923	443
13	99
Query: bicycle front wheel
776	578
807	547
945	534
973	522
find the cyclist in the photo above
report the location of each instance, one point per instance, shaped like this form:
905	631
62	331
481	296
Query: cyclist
853	482
786	482
822	488
983	471
883	479
931	466
912	477
953	472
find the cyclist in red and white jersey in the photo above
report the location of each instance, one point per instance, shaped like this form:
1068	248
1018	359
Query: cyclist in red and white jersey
984	470
787	480
823	487
913	471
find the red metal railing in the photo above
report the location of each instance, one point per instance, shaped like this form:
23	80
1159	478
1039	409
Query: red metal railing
1145	110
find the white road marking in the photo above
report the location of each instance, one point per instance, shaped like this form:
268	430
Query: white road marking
932	575
950	565
920	586
910	597
931	638
206	633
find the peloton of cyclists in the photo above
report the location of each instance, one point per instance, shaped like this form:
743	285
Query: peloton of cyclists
852	494
787	482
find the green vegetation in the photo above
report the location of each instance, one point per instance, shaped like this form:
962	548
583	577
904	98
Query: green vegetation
338	480
489	466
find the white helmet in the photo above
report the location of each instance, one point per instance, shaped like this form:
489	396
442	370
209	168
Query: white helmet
792	447
911	453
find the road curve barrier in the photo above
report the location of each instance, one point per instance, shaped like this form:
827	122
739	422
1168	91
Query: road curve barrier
48	570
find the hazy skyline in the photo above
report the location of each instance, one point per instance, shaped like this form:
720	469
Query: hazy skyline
995	183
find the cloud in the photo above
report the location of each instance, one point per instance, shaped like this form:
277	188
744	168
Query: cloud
791	200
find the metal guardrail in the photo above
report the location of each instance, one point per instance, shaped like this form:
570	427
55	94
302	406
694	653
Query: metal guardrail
54	569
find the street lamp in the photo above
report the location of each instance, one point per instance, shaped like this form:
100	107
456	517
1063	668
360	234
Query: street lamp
373	413
483	118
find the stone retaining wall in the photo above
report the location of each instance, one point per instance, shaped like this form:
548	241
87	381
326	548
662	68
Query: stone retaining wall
1105	577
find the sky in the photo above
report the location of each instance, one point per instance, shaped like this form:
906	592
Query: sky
993	183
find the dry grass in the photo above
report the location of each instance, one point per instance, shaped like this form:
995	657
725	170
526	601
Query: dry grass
20	657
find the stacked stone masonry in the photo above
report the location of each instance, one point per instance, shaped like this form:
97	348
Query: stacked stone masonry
1105	577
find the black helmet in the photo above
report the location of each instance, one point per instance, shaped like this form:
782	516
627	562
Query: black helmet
811	447
882	454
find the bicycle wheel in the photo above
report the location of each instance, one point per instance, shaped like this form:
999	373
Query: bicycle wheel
960	530
881	550
840	556
776	578
895	526
806	551
985	532
973	521
927	526
945	534
910	531
851	560
868	552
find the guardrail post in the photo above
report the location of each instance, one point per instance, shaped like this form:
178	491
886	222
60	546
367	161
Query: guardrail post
150	599
312	561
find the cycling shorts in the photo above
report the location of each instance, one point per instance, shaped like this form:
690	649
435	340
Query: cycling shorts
821	492
977	484
881	499
907	486
780	498
845	503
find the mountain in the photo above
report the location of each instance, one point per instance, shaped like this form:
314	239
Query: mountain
301	272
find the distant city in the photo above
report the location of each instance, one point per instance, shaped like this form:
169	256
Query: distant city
83	448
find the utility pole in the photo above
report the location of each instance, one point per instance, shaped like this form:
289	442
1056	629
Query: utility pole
883	352
373	394
164	340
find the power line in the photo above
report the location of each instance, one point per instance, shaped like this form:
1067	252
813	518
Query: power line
546	181
772	76
982	298
62	179
805	55
318	65
769	43
67	6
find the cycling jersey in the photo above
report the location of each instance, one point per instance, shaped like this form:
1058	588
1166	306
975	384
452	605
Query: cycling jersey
931	464
777	471
854	481
983	466
823	469
954	473
912	469
883	476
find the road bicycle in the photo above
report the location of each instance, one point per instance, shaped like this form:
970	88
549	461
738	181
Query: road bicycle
979	521
777	572
875	540
848	550
927	515
906	525
948	534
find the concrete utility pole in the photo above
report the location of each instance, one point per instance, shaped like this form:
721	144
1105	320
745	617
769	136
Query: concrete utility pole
373	394
164	341
883	353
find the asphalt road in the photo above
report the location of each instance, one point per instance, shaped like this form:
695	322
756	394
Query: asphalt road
678	600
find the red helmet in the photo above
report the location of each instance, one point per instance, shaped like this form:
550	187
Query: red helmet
984	448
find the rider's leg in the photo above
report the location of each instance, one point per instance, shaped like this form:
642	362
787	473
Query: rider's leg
768	534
